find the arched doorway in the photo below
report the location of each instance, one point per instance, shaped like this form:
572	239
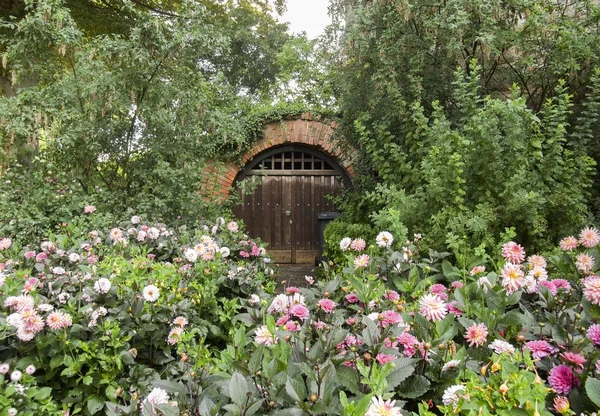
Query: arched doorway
294	185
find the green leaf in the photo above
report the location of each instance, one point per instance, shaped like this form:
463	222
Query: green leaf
449	270
295	389
238	387
95	404
414	387
348	377
43	393
401	372
171	386
592	389
363	405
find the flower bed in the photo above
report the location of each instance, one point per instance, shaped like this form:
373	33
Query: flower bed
178	324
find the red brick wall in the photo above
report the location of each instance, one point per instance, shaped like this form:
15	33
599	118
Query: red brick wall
219	177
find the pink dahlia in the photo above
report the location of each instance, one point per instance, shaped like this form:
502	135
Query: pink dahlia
561	284
358	244
562	379
574	359
476	335
5	243
352	298
299	311
379	407
584	262
327	305
591	289
408	343
589	237
452	308
593	333
391	295
513	278
477	270
361	261
384	358
550	285
561	404
58	320
432	307
262	335
174	335
437	289
539	349
513	252
568	243
536	261
456	284
388	318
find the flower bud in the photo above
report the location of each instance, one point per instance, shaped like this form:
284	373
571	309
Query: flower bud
503	388
118	391
520	337
314	397
561	405
367	356
427	345
496	367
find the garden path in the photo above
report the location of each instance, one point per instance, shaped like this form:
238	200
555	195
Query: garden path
293	275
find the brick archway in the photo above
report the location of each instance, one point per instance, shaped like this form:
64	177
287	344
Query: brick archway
218	178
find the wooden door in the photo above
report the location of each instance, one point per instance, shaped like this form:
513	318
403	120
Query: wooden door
282	210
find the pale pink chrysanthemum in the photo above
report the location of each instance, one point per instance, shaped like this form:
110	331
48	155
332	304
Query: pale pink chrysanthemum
345	243
358	244
451	365
591	289
562	379
19	303
30	369
5	243
537	261
574	359
476	335
320	325
568	243
452	308
14	320
327	305
34	324
24	334
102	285
388	318
262	335
502	347
379	407
116	234
174	335
29	254
299	311
593	333
512	277
4	368
513	252
450	396
584	262
180	321
432	307
58	320
156	397
476	270
539	349
538	273
457	284
89	209
233	227
361	261
589	237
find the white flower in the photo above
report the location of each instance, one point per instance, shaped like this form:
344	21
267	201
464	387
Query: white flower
450	396
74	257
58	270
309	279
14	319
373	316
102	285
30	369
191	255
262	335
233	227
63	297
2	279
12	411
153	233
500	347
4	367
345	243
135	220
384	239
450	365
379	407
151	293
157	396
45	307
5	243
279	304
16	376
254	299
141	236
224	252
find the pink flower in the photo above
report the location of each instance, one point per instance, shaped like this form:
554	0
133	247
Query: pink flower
5	243
299	311
568	243
513	252
562	379
352	298
361	261
320	325
539	349
476	270
180	321
255	250
327	305
550	285
384	358
391	295
351	320
174	335
456	284
561	284
432	307
574	359
292	326
536	261
233	227
283	320
453	309
408	343
4	368
29	254
30	284
437	289
591	289
292	289
388	318
379	407
358	244
58	320
89	209
262	335
584	262
476	335
561	404
41	257
589	237
593	333
513	278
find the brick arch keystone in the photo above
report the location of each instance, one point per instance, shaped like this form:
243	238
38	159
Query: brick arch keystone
218	177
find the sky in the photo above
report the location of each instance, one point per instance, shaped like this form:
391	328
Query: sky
309	16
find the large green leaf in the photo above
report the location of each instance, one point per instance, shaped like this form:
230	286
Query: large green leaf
592	388
238	387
